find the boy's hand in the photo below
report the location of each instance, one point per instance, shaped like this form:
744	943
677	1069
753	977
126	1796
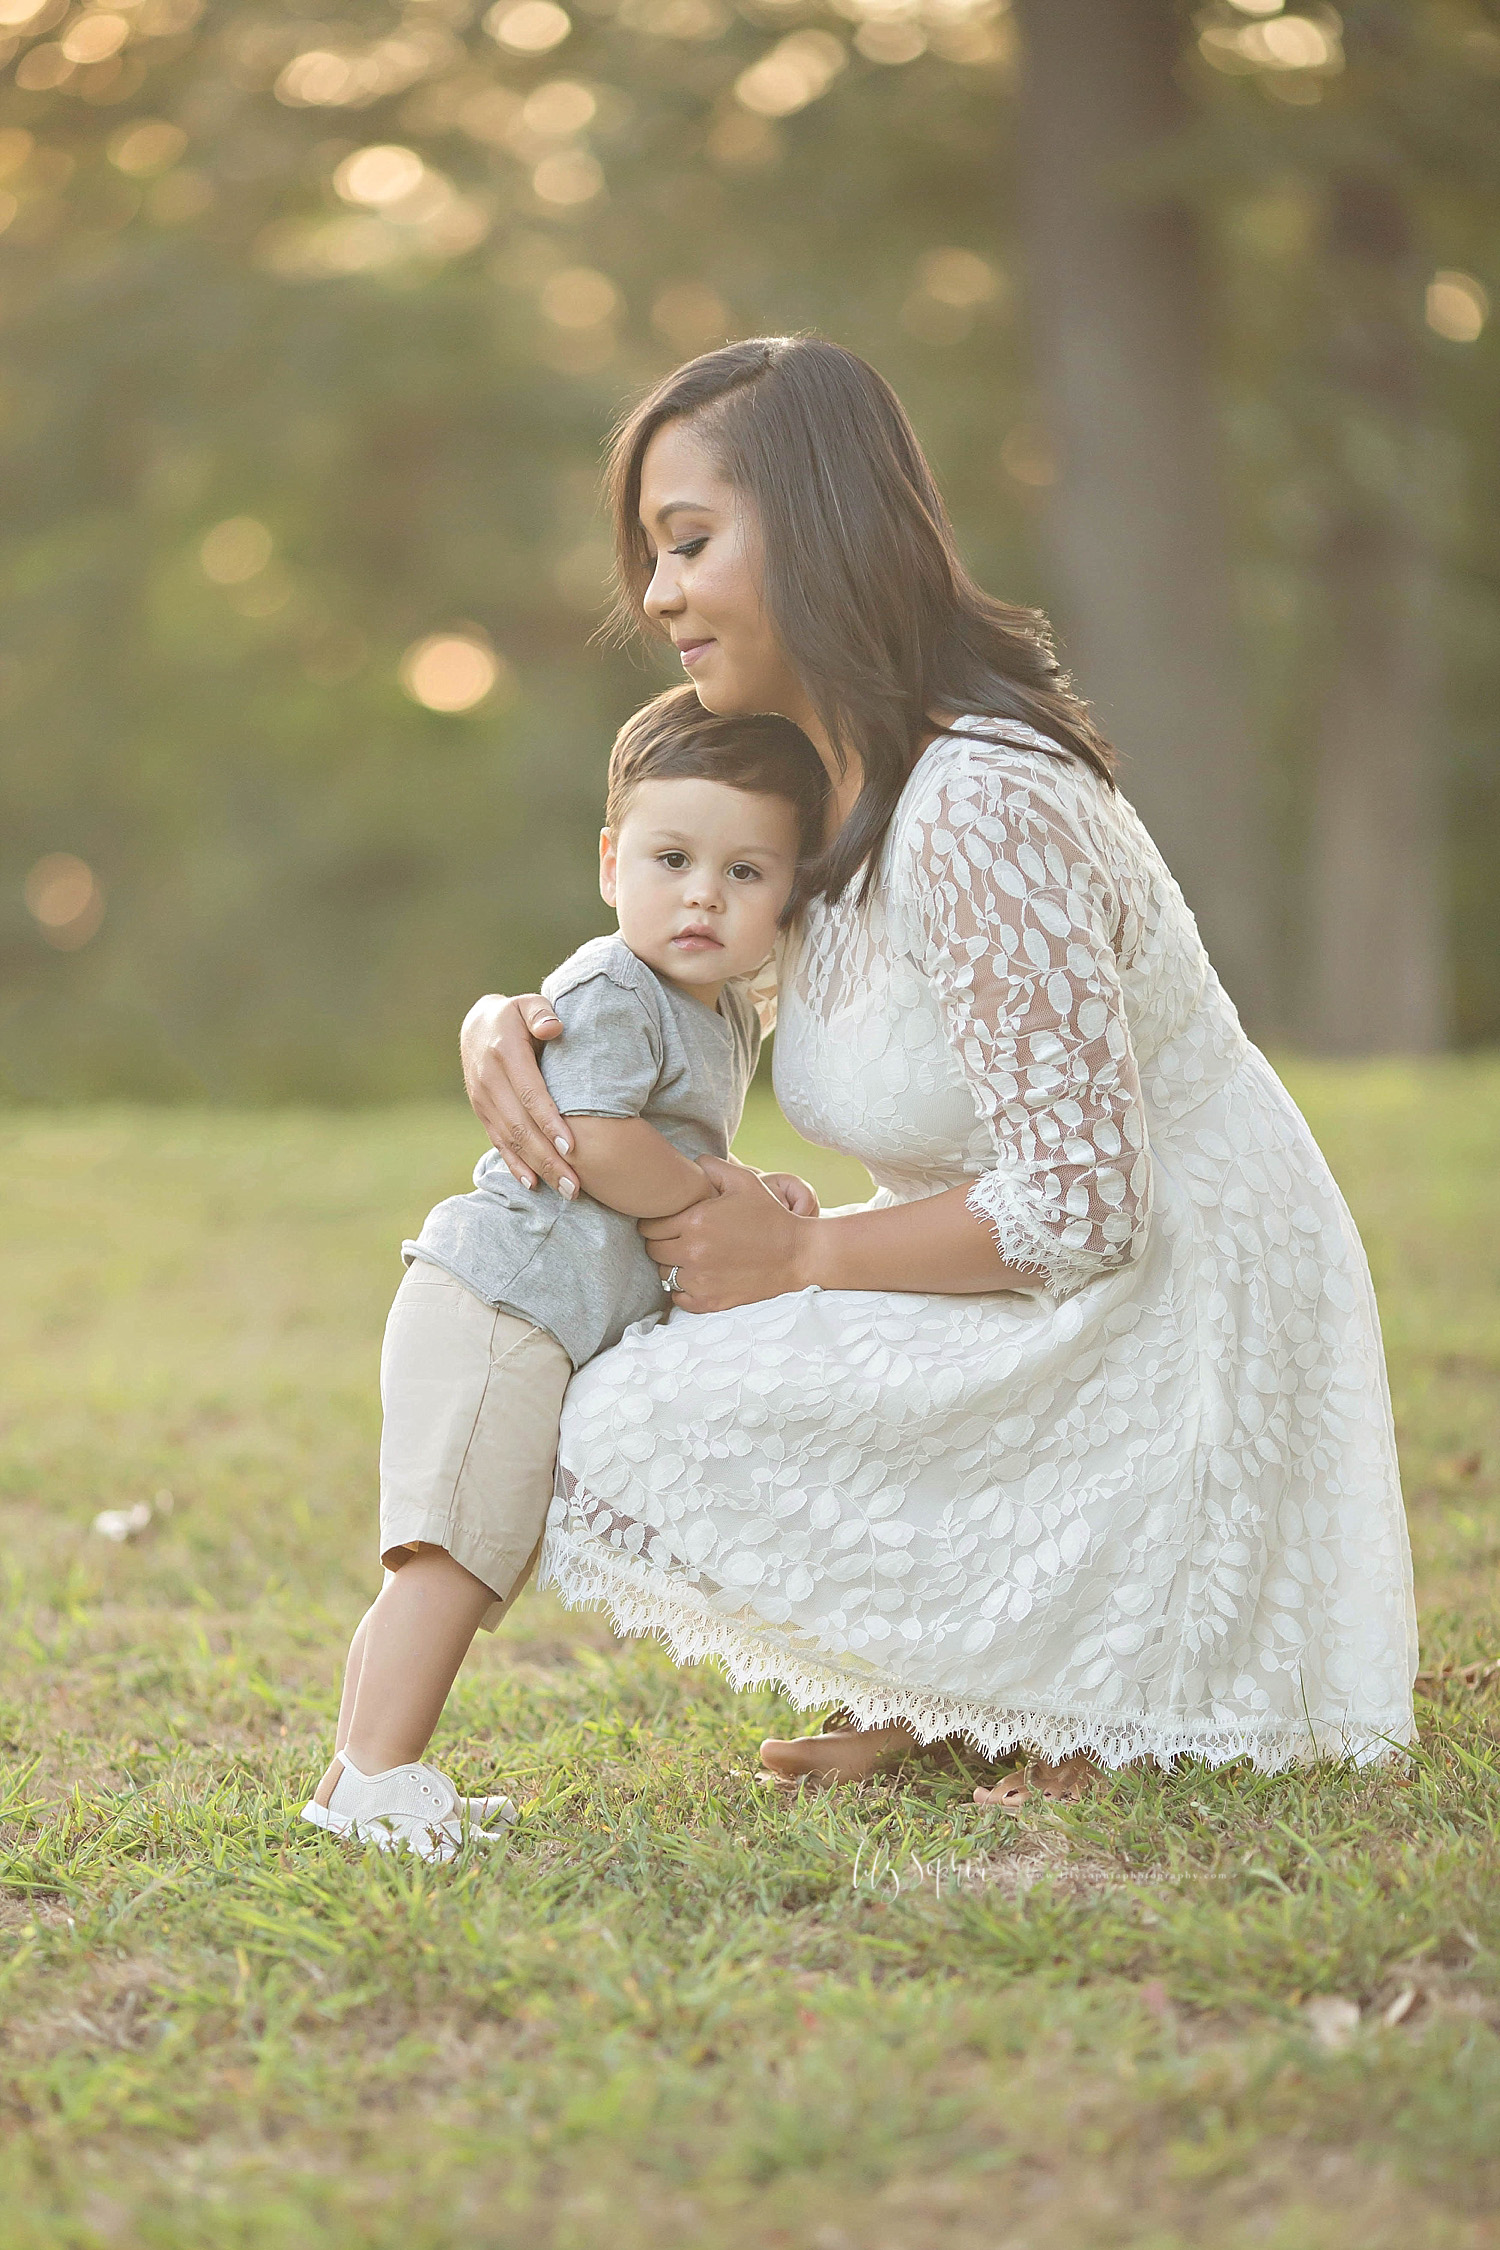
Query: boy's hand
800	1199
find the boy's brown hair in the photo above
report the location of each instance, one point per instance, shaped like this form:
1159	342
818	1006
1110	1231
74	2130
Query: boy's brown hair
672	738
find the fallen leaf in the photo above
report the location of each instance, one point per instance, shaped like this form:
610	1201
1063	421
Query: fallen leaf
1448	1675
1400	2008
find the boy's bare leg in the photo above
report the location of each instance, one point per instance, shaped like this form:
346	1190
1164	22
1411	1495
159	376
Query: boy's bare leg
410	1646
351	1679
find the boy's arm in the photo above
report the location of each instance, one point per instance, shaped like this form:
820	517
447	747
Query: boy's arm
625	1163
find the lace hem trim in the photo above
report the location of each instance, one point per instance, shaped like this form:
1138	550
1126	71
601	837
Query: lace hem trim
1063	1271
587	1575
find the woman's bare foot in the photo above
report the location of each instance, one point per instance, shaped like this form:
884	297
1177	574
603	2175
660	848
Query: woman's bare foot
841	1753
1061	1784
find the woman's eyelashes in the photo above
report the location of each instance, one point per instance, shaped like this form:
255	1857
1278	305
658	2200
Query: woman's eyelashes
691	547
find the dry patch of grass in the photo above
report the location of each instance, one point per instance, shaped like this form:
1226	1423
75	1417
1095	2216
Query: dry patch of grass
672	2010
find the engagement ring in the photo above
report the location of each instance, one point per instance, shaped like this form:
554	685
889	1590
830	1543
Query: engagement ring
672	1280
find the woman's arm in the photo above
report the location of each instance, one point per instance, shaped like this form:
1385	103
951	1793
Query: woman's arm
507	1091
744	1245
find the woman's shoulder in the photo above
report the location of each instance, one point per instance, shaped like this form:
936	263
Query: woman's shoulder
998	770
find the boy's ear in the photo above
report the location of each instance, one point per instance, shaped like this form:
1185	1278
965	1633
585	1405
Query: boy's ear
607	867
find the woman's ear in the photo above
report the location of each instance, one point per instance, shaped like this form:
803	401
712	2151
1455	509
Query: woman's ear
607	867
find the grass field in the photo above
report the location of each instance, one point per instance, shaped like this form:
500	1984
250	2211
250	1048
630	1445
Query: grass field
671	2011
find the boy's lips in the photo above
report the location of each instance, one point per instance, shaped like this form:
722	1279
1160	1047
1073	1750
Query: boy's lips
698	941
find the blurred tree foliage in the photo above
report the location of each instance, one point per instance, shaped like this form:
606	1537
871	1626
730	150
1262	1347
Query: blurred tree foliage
310	329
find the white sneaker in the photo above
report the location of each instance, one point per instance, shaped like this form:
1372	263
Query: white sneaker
407	1808
480	1812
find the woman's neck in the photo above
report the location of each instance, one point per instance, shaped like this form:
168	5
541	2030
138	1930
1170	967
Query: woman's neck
844	781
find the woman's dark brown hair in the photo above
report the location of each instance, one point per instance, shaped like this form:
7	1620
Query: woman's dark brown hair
863	583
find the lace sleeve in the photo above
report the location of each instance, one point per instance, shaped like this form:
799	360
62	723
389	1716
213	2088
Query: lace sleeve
1014	916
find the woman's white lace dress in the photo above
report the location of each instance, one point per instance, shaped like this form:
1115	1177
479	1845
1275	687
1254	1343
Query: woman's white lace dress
1153	1510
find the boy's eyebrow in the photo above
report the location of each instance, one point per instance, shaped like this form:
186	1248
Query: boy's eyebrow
682	836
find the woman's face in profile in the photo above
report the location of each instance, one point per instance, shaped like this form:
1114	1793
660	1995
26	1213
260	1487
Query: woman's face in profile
705	590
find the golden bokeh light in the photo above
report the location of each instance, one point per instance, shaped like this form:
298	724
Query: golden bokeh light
235	550
148	145
16	144
690	316
1027	456
570	177
1458	307
559	107
452	672
264	595
19	15
379	176
796	71
1258	7
528	27
92	39
891	40
42	68
579	297
1275	42
65	899
317	79
958	277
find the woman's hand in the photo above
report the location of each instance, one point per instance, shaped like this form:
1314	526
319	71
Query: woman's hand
507	1091
742	1244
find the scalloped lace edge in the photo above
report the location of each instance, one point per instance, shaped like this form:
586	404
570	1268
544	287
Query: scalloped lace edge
587	1575
992	1198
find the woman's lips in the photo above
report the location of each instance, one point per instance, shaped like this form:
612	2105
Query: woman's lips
692	651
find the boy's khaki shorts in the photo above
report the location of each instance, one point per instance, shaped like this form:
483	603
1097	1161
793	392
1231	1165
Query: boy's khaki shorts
471	1399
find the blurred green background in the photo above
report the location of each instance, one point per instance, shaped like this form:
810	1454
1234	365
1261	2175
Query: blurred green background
310	332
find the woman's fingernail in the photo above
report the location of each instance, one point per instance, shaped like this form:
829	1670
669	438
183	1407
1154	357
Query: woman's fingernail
563	1147
567	1188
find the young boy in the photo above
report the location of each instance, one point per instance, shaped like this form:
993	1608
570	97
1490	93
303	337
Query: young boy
509	1289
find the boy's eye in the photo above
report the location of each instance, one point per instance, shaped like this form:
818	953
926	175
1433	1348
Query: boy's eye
677	861
743	872
691	547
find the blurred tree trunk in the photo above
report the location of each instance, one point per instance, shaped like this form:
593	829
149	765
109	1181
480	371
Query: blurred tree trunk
1137	520
1376	976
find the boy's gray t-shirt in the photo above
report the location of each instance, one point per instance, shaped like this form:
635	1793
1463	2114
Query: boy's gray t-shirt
633	1046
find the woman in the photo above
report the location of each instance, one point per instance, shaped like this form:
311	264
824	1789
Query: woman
1077	1437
